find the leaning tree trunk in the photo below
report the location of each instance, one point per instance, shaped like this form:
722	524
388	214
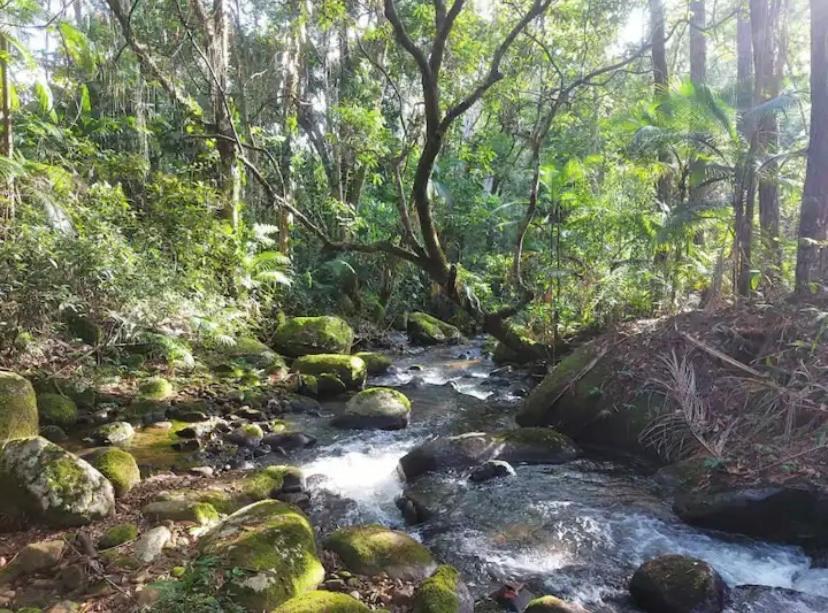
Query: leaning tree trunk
813	225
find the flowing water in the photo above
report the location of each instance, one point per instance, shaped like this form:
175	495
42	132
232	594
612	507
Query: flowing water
577	530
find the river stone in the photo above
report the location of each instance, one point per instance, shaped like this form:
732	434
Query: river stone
56	434
552	604
424	329
116	433
288	441
152	543
18	407
116	465
678	584
522	445
377	408
760	598
774	512
57	410
33	558
43	480
491	470
319	601
256	353
347	368
373	549
180	510
299	336
248	435
376	363
273	545
443	592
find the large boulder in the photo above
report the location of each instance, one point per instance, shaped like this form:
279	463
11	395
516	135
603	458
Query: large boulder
443	592
41	480
424	329
553	604
521	445
320	601
271	548
376	363
18	407
300	336
678	584
373	549
57	410
256	353
116	465
155	389
571	399
347	368
378	408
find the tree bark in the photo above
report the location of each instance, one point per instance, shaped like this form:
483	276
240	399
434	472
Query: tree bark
7	141
698	41
811	265
744	195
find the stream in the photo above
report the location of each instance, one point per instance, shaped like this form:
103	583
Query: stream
577	530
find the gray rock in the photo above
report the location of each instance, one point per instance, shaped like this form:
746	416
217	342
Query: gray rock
491	470
150	545
678	584
116	433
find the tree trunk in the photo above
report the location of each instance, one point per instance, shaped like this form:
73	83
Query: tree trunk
698	75
743	190
7	142
661	84
811	266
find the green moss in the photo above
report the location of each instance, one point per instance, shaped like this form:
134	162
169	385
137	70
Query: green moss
205	513
18	407
300	336
57	410
376	363
377	393
155	388
253	430
428	330
533	436
320	601
118	535
372	549
547	604
329	385
181	510
118	466
261	484
348	368
438	593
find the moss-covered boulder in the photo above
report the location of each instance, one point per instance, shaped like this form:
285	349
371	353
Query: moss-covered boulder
115	433
299	336
373	549
376	363
553	604
443	592
529	351
40	480
155	388
378	408
347	368
270	481
424	329
254	352
572	398
521	445
181	510
57	410
18	407
116	465
118	535
678	584
273	547
320	601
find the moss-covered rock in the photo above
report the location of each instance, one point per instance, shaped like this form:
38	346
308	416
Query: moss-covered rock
155	388
268	481
181	510
678	584
273	545
347	368
83	327
425	329
553	604
254	352
320	601
118	535
530	350
116	465
373	549
40	480
57	410
443	592
115	433
300	336
377	408
18	407
376	363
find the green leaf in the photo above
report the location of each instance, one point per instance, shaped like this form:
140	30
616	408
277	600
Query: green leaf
85	102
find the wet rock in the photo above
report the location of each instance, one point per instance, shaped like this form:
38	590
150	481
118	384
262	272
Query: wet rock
41	480
347	368
293	403
33	558
248	435
552	604
54	434
424	329
299	336
288	441
274	547
513	596
377	408
319	601
152	543
199	429
373	549
491	470
18	407
57	410
678	584
116	465
249	414
442	592
772	512
181	510
760	598
116	433
376	363
413	510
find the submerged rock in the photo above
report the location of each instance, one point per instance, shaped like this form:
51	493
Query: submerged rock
299	336
491	470
678	584
41	480
18	407
272	545
443	592
377	408
320	601
347	368
116	465
373	549
424	329
57	410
